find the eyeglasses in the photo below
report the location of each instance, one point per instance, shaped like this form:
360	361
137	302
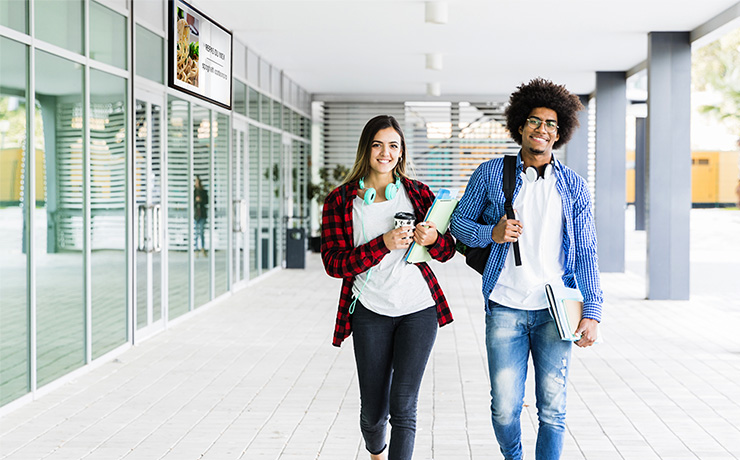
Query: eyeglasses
550	125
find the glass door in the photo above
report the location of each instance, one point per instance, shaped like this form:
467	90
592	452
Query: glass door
240	209
148	214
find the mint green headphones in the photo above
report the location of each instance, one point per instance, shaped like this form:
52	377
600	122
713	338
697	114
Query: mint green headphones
390	190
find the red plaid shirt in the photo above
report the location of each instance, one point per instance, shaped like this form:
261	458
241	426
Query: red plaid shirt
343	260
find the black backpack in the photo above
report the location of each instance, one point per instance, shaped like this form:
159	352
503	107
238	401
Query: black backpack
477	258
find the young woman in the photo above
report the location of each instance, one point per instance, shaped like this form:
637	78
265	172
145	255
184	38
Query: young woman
392	307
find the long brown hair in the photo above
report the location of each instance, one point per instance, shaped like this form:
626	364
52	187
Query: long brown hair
362	161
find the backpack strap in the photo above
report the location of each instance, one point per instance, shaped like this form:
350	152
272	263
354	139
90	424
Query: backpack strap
509	185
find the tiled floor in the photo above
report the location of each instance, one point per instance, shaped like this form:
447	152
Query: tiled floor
255	377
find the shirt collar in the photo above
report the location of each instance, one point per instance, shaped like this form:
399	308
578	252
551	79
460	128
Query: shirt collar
520	165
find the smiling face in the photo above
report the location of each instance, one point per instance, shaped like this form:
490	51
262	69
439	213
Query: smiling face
385	151
538	141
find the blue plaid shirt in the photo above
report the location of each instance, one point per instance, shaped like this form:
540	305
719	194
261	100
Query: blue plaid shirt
484	196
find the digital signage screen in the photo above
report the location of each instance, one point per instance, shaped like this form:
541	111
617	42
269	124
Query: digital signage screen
200	55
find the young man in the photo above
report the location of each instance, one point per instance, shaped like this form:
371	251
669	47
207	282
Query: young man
555	229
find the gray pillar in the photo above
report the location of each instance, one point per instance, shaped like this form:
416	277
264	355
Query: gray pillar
668	174
640	164
577	148
611	169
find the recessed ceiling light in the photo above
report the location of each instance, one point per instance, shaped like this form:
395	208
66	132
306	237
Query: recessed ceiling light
434	61
436	12
434	89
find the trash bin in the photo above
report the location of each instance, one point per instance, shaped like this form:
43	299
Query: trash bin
295	248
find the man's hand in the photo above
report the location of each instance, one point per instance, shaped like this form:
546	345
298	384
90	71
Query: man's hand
506	230
426	233
588	329
399	238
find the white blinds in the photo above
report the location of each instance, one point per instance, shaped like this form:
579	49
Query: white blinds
446	141
343	123
107	168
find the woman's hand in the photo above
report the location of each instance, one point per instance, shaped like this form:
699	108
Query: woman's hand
507	230
426	233
399	238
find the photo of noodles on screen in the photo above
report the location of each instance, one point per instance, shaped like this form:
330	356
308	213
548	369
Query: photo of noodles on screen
187	48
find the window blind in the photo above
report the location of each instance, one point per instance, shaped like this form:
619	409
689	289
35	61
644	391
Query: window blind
445	141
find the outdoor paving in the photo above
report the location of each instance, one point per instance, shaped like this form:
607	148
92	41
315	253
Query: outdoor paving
255	376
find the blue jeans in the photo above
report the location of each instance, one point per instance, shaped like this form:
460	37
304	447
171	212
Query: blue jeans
511	335
391	355
200	233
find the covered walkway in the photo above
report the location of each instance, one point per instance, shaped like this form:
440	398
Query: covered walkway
255	377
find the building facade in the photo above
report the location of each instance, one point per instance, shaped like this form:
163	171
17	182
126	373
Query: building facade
101	244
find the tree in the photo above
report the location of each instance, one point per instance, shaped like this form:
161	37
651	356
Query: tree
716	68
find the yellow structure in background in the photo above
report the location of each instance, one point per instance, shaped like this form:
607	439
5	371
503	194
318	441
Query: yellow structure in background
11	170
714	176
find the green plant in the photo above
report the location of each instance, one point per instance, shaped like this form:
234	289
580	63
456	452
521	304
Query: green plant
329	179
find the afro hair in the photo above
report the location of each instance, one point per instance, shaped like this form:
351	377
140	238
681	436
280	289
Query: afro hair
543	93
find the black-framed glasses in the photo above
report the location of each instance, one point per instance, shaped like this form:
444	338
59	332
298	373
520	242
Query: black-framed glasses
550	125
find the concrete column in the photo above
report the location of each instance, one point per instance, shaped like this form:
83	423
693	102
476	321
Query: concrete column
668	174
640	164
610	200
577	149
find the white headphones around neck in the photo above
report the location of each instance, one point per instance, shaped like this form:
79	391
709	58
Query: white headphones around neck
390	190
532	173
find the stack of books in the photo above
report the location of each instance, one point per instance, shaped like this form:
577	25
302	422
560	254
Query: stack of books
566	308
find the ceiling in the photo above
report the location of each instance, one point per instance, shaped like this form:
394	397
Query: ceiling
488	47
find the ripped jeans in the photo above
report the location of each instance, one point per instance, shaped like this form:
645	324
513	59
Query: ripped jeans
511	335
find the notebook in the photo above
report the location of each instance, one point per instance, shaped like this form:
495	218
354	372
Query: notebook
440	213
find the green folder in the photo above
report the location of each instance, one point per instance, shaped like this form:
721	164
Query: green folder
439	213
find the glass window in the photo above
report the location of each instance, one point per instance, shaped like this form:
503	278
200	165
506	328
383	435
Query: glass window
254	200
288	120
60	23
14	313
13	14
178	190
277	200
296	123
58	225
238	183
108	36
277	114
266	198
254	104
240	97
220	136
202	197
148	196
108	210
149	55
265	109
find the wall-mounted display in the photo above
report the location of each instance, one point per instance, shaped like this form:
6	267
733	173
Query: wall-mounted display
200	55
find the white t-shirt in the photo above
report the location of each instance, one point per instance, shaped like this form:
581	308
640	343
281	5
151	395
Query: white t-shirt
539	208
394	287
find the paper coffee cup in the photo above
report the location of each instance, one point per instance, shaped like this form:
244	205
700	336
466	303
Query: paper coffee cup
403	219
